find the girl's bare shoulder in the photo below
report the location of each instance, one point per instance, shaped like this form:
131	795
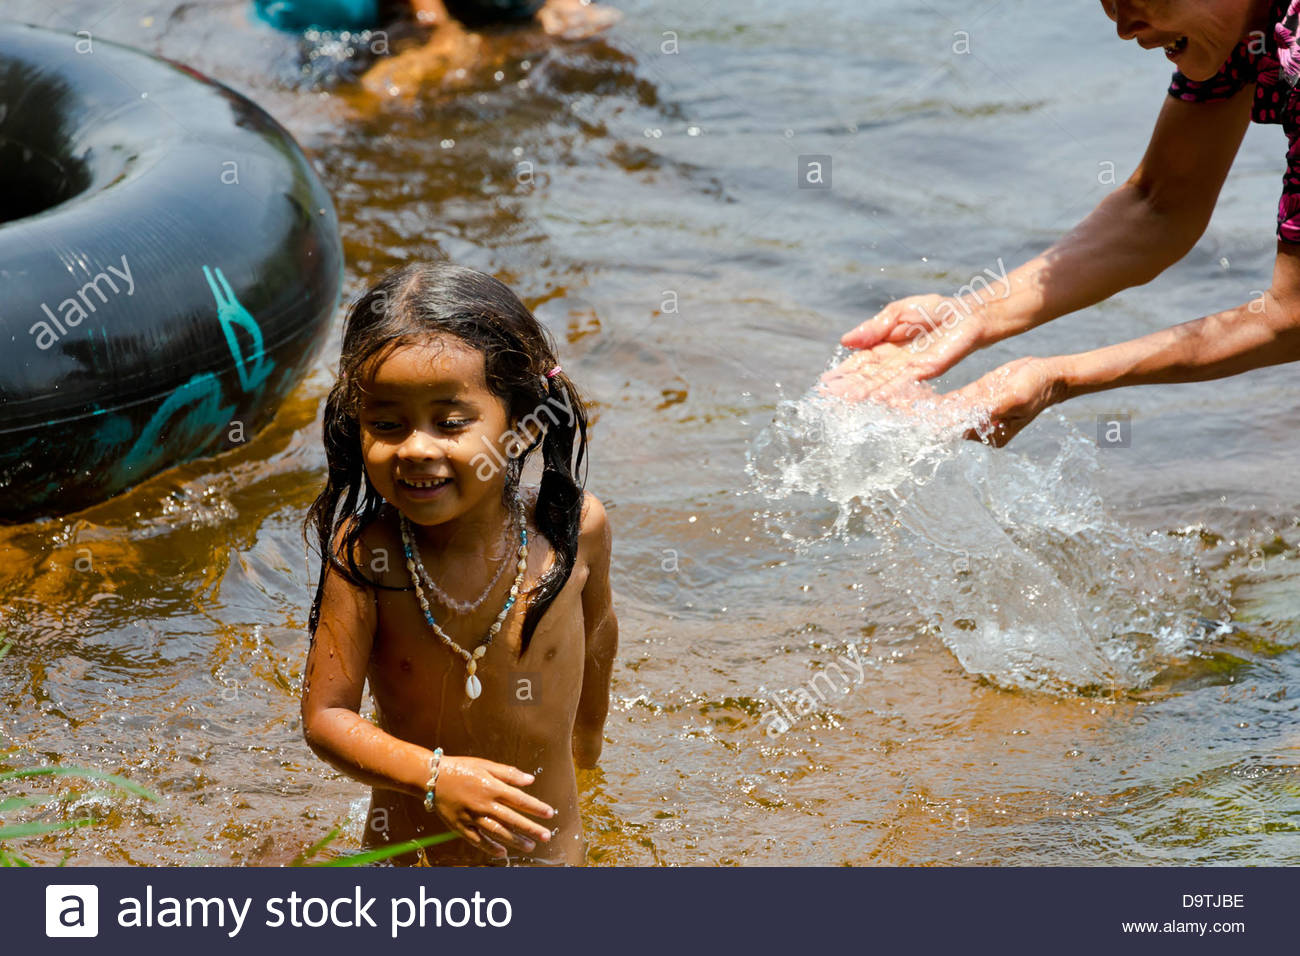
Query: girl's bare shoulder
595	537
376	549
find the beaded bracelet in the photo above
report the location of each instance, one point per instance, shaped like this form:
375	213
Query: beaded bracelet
433	779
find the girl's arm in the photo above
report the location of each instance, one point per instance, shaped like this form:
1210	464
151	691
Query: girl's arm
333	682
477	798
601	637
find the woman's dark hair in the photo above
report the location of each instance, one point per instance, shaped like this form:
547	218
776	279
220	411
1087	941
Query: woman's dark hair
407	306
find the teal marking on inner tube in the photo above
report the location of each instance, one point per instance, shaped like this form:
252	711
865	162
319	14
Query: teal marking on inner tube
196	405
202	395
114	432
232	313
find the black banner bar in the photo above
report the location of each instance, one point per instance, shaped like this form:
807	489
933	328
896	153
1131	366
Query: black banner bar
651	910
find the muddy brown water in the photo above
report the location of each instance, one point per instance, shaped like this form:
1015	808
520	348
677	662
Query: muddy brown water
644	202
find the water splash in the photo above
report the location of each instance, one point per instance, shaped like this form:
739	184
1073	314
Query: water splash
330	58
1010	555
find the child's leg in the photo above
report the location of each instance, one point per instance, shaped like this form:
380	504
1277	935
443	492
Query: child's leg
454	56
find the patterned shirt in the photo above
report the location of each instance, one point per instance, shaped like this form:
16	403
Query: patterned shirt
1272	62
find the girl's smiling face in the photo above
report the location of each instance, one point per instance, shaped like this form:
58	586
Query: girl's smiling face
432	433
1197	35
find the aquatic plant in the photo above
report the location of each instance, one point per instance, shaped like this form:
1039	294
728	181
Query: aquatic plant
368	856
34	828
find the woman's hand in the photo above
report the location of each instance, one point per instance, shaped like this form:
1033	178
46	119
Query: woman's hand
481	801
1012	396
908	341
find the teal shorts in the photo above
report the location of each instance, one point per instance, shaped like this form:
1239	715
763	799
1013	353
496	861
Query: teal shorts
297	15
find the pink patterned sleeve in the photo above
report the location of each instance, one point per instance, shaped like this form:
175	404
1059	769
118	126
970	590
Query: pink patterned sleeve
1239	71
1288	208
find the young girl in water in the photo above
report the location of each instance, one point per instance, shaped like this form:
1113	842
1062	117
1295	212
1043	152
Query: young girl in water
480	611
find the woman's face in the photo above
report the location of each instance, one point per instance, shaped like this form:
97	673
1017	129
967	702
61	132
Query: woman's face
1197	35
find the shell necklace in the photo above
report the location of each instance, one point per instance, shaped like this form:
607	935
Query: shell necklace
445	599
473	687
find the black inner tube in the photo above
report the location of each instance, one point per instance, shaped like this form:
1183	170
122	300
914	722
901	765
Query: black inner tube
39	171
169	263
34	182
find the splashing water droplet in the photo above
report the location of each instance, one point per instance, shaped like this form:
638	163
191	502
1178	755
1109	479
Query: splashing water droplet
1008	555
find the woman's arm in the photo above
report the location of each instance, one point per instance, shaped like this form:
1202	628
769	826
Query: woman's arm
1263	332
1135	233
1260	333
1140	229
602	637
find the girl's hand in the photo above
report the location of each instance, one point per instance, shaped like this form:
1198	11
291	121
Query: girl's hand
481	801
908	341
1012	395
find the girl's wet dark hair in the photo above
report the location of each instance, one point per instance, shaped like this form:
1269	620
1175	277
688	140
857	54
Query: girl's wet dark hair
407	306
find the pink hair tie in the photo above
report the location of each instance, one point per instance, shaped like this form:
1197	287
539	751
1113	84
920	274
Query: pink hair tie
554	372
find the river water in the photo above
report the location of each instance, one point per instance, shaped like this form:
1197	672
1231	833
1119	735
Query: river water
844	640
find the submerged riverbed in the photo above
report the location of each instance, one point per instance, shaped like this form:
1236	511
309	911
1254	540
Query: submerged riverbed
640	192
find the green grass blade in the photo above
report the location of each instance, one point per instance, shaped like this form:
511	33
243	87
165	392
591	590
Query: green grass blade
19	803
20	830
315	848
11	859
385	852
85	772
